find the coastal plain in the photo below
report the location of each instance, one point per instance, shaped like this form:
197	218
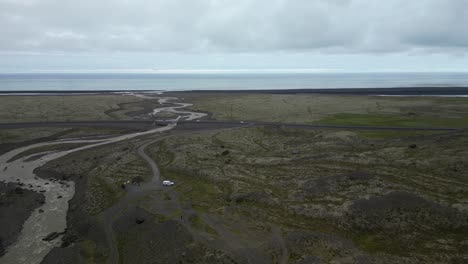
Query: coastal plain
245	191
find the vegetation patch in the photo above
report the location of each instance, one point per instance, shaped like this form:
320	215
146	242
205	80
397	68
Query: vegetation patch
323	181
395	121
70	107
381	134
334	109
198	223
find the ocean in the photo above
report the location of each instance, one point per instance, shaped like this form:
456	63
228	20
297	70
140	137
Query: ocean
225	81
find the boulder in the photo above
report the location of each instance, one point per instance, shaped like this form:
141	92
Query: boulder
51	236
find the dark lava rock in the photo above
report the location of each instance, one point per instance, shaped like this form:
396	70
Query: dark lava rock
258	196
72	254
51	236
250	255
166	242
336	183
299	243
69	240
310	260
162	241
128	220
359	176
14	210
2	248
400	211
19	190
137	180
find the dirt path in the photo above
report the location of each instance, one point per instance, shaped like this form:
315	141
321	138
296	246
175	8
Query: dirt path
154	168
30	247
135	192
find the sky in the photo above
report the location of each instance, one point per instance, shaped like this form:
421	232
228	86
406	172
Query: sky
233	35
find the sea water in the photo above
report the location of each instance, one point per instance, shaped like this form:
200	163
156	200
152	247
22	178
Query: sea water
226	81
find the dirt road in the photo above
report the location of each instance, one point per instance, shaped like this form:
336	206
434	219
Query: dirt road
51	216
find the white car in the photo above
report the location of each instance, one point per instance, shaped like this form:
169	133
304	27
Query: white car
168	183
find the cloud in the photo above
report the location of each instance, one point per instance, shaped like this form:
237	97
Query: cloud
324	26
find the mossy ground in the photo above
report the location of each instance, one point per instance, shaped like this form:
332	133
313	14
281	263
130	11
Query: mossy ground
306	180
396	121
244	183
337	109
71	107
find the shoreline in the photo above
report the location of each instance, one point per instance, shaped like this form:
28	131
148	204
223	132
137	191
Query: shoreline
409	91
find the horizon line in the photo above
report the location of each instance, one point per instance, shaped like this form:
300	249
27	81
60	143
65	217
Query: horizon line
226	71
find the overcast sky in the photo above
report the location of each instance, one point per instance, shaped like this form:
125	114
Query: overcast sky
318	35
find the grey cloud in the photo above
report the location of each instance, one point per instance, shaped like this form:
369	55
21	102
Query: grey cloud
327	26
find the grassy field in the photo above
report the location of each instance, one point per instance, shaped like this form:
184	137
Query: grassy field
390	196
395	120
379	134
69	107
337	109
